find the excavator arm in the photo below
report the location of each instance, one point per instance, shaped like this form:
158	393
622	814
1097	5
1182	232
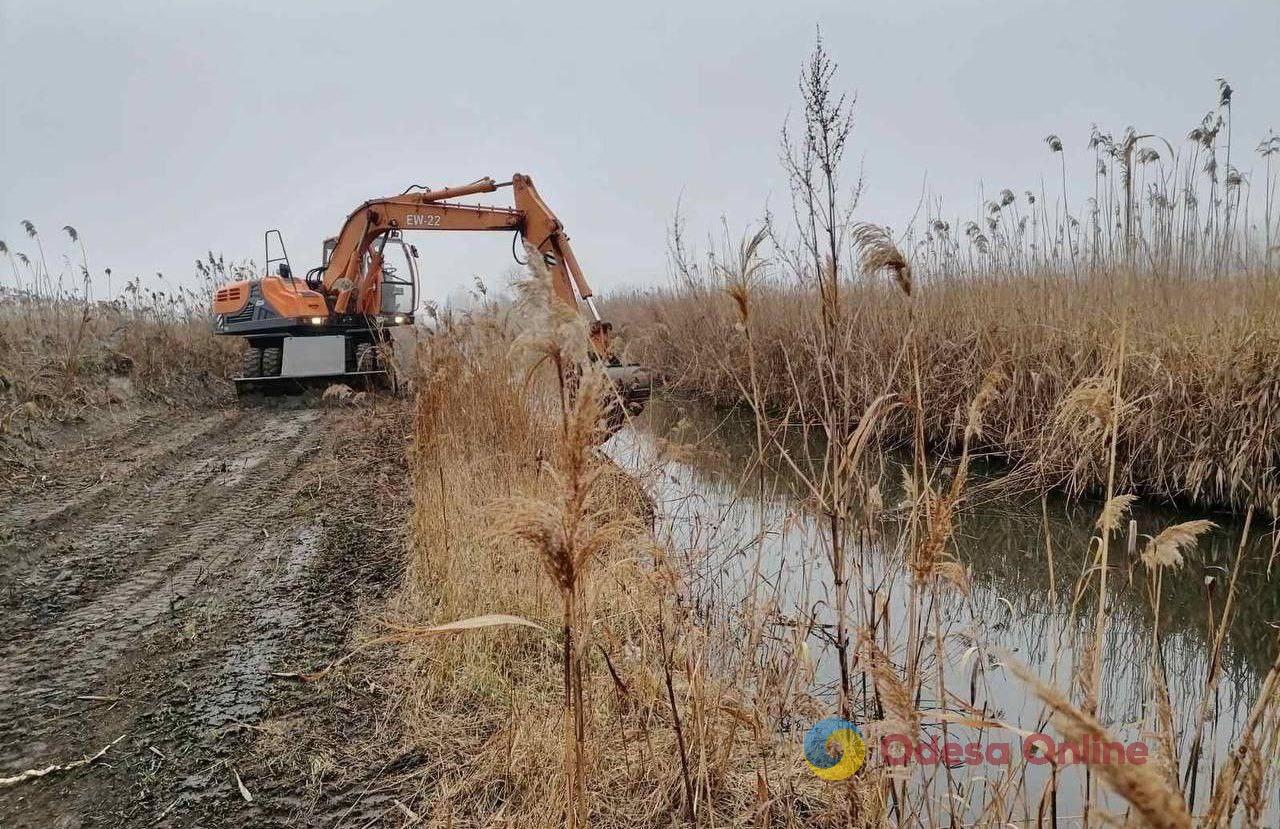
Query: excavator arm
352	276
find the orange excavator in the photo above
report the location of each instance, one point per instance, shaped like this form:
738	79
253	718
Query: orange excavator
335	323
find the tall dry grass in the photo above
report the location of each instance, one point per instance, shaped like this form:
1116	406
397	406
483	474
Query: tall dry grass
912	670
1174	240
628	695
1201	366
614	711
66	353
637	699
1088	366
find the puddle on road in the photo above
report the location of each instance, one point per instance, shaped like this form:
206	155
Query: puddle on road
718	528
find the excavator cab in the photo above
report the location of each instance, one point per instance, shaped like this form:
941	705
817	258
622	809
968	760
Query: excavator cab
399	288
398	285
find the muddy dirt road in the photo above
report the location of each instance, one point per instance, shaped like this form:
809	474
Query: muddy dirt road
144	603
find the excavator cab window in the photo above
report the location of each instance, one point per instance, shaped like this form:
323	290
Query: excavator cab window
399	274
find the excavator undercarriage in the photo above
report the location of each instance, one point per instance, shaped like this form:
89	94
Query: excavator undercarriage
291	363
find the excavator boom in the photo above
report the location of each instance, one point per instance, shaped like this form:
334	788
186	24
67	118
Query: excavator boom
355	289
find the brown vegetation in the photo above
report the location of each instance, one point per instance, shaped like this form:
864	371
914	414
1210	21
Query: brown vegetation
1164	278
621	704
65	354
610	713
1201	395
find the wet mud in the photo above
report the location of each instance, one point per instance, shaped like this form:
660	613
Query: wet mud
154	575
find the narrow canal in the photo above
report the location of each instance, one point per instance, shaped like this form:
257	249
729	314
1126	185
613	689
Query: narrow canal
753	551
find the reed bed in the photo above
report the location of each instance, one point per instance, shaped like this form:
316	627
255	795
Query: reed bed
566	657
66	352
1087	367
582	691
1201	370
1167	263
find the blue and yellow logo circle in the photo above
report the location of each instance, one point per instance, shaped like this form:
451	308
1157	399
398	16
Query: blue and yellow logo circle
833	748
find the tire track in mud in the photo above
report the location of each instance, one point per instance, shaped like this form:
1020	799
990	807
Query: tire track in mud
153	599
66	532
68	497
150	560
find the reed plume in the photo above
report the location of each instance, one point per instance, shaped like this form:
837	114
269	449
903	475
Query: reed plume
570	527
877	252
1166	549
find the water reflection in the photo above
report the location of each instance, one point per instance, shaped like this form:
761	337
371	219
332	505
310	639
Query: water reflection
737	533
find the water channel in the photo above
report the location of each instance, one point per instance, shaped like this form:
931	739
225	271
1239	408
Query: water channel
733	529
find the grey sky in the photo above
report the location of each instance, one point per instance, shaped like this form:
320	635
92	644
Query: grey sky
162	130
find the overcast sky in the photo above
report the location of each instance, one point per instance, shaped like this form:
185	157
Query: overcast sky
162	130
